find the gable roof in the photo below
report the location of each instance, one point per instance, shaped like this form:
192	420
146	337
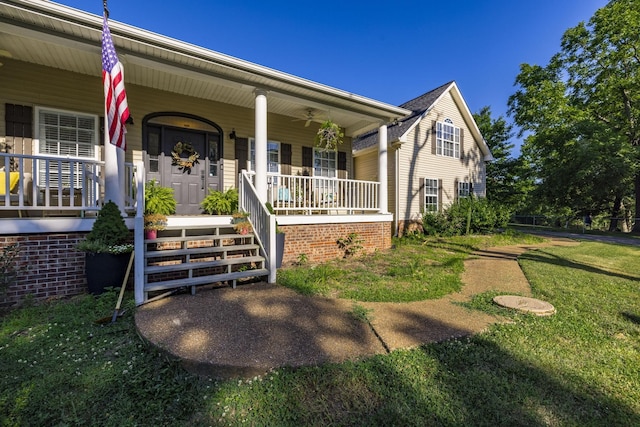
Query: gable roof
58	36
420	107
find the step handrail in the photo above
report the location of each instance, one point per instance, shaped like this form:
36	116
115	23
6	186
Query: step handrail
262	221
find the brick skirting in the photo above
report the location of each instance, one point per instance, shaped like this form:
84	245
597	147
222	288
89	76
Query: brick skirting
48	267
319	242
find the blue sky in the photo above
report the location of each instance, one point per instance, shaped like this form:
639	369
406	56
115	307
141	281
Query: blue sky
391	53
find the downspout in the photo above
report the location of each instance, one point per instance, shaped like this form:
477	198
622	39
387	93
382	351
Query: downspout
396	202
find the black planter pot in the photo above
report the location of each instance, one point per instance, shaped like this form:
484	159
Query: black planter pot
105	270
279	249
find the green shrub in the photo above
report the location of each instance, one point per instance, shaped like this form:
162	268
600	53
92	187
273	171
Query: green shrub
220	202
158	199
469	214
109	233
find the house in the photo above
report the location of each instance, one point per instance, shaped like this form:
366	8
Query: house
435	155
252	127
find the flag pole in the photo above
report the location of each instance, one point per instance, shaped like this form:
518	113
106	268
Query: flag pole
116	112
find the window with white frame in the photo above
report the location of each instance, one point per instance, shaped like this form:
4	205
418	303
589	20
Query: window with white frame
65	133
324	163
430	195
464	189
273	156
447	139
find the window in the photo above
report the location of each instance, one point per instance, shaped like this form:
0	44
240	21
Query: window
324	163
430	195
447	139
273	156
464	189
64	133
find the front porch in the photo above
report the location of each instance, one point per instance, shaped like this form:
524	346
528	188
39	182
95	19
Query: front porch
312	212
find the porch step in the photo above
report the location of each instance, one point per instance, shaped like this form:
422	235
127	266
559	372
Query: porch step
200	251
194	265
205	280
190	250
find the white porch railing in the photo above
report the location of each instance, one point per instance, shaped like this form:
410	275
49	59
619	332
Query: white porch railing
307	195
56	183
264	224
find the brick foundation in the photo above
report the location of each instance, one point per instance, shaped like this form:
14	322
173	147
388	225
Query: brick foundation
319	241
48	266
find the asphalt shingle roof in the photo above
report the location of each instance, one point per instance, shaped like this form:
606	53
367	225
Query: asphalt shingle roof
395	130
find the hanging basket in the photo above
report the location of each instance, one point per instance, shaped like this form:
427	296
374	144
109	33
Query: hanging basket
329	136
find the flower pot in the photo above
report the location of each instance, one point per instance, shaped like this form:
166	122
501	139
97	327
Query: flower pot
105	270
150	234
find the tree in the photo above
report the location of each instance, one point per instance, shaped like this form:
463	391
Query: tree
582	113
506	184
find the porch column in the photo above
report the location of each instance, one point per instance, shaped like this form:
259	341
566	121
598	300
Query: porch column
113	172
382	169
260	165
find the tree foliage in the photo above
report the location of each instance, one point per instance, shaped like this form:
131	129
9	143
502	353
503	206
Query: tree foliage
580	113
507	180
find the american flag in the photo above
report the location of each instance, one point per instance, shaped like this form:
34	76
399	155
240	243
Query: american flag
115	96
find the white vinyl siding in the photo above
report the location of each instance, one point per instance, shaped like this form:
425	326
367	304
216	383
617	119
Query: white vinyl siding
417	160
64	133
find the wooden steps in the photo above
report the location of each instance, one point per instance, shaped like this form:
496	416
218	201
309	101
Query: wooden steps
192	256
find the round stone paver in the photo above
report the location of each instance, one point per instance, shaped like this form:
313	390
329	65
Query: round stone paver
526	304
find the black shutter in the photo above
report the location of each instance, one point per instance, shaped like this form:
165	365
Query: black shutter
439	195
285	159
18	120
461	144
242	153
307	157
434	142
342	165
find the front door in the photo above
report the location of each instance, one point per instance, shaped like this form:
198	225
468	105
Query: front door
188	183
169	151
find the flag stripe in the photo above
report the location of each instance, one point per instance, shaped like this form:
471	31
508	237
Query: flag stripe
114	93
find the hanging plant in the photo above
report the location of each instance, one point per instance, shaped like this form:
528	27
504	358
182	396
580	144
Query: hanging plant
329	136
184	164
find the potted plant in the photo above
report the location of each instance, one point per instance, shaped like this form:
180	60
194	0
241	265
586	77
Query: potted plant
329	136
158	203
154	222
241	224
220	202
108	248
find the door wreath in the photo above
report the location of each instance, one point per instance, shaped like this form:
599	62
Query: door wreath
184	164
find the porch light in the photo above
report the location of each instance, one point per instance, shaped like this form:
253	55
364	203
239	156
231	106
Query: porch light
232	135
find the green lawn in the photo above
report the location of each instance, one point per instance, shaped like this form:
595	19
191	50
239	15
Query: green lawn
579	367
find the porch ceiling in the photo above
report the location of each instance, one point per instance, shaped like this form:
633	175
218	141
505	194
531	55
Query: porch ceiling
57	36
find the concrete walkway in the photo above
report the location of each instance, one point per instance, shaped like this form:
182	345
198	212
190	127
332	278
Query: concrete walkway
242	332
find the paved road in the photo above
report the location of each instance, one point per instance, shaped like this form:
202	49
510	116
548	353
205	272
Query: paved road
619	240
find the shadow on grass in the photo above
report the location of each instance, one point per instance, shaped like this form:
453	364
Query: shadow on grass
490	386
634	318
543	256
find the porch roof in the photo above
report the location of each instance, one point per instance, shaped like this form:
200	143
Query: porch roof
62	37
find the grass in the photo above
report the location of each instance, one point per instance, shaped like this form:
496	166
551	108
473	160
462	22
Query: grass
418	268
578	367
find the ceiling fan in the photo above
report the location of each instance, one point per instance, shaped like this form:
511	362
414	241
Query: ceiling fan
308	118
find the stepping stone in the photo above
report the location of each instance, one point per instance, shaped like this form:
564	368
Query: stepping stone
526	304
